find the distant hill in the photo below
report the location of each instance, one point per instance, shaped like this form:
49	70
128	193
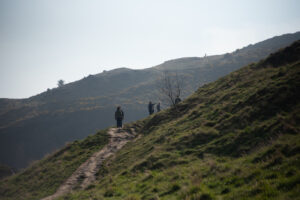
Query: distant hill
235	138
31	128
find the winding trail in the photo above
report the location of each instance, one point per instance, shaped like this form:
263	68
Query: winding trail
86	172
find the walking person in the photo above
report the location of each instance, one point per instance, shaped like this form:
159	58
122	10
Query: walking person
158	107
177	100
151	108
119	116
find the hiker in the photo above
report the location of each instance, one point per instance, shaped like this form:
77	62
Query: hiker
119	116
151	108
158	107
177	100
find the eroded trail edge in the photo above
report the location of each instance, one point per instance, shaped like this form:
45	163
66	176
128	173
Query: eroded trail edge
86	172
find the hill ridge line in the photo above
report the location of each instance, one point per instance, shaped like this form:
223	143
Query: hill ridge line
86	172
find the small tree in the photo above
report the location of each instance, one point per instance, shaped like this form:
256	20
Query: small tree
60	83
169	86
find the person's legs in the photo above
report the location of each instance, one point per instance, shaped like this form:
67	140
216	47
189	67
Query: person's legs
119	123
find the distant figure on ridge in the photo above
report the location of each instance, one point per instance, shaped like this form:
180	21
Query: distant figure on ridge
158	107
119	116
177	100
151	108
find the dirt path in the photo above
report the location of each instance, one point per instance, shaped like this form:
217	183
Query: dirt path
86	173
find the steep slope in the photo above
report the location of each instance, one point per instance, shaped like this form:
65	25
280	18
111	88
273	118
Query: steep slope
33	127
235	138
86	174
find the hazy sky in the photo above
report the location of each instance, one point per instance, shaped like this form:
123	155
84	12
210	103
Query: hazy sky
42	41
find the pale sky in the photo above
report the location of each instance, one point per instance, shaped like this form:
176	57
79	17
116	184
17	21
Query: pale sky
42	41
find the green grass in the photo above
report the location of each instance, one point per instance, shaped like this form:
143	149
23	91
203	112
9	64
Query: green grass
44	177
236	138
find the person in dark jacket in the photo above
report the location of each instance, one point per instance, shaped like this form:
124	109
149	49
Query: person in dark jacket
151	108
158	107
177	100
119	116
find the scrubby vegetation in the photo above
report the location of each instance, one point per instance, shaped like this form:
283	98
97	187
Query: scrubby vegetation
235	138
5	171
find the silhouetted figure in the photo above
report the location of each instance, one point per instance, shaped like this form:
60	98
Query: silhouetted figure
158	107
119	116
151	108
177	100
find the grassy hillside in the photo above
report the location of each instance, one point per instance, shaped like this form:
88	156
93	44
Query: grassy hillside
33	127
235	138
44	177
